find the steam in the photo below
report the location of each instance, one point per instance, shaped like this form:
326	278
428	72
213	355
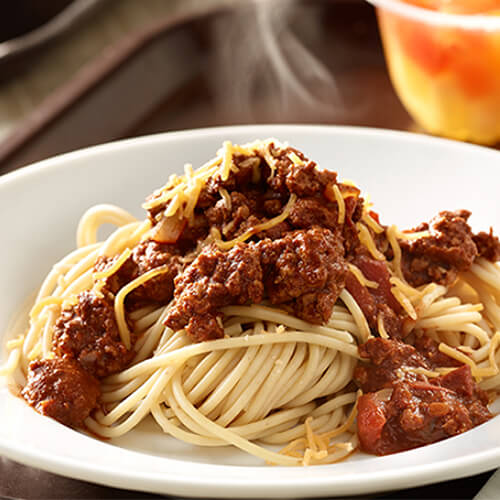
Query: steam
262	63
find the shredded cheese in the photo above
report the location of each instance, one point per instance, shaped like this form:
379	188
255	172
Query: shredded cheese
174	205
295	159
225	245
372	223
227	160
413	236
408	290
270	159
180	194
361	277
340	203
477	372
170	190
396	250
225	196
101	275
381	327
366	239
192	199
405	302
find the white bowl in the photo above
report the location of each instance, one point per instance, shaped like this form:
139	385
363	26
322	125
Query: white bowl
410	178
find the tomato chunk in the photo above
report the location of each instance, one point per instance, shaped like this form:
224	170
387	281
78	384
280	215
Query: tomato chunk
371	421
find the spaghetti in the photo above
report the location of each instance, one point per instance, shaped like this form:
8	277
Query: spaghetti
244	308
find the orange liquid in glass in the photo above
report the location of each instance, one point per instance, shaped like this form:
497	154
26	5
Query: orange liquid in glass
448	77
459	6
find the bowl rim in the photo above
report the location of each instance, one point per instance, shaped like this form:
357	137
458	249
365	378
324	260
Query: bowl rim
464	21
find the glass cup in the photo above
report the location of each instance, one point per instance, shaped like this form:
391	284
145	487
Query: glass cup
445	67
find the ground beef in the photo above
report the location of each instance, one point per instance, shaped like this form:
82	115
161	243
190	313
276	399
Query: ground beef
438	258
309	212
147	255
60	388
276	232
213	280
247	210
353	213
413	410
195	230
386	364
87	332
254	201
434	358
487	245
119	279
304	180
306	270
242	206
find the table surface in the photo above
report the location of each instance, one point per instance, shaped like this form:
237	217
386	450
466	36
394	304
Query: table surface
340	77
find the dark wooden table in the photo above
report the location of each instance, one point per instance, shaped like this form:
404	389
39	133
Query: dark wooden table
217	68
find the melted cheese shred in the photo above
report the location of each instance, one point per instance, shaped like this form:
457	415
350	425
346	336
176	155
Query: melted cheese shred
391	234
226	245
372	223
404	301
410	236
366	239
340	203
110	270
227	161
180	194
360	276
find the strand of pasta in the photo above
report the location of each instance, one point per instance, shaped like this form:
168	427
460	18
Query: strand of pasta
250	431
95	217
281	317
357	314
113	416
224	433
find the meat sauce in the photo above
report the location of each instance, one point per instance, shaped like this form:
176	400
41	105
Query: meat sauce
402	408
439	257
302	264
60	388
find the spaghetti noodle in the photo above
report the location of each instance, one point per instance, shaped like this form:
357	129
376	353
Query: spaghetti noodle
235	313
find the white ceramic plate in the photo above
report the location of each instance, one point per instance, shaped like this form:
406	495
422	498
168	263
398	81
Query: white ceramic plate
410	178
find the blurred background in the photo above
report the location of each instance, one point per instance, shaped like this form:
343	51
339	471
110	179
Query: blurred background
100	70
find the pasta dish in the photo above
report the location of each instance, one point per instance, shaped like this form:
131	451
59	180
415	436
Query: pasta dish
263	304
